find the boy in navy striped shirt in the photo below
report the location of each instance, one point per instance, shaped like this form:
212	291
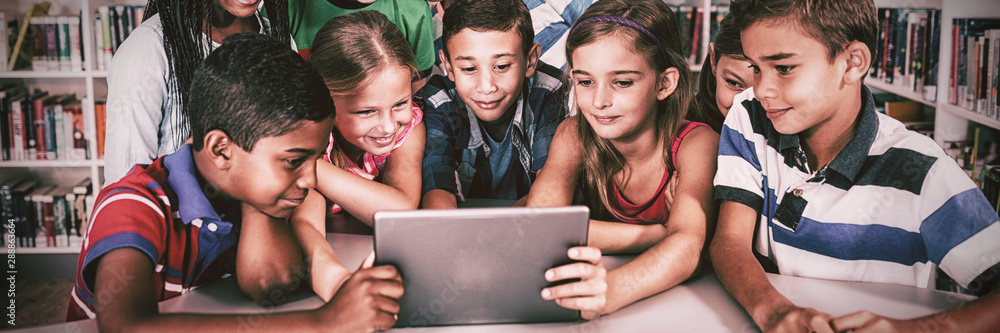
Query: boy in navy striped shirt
816	181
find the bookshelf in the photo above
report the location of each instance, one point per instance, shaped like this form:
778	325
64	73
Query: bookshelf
705	14
81	83
89	85
951	122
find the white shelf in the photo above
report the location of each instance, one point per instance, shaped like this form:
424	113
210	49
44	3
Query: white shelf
47	250
898	90
969	115
51	164
53	75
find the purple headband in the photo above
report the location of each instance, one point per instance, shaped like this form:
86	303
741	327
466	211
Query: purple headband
630	24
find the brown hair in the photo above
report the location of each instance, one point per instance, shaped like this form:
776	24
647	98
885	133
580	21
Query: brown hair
833	23
727	43
351	50
601	159
488	15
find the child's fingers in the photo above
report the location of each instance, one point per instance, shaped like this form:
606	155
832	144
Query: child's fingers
583	288
578	270
384	320
582	303
853	321
585	253
370	261
383	272
389	288
387	305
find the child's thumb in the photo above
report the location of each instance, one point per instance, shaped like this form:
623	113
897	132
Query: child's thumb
369	262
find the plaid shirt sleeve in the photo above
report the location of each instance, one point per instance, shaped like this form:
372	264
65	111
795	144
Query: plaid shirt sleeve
440	156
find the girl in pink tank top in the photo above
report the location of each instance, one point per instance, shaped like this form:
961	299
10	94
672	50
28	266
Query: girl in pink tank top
376	147
633	90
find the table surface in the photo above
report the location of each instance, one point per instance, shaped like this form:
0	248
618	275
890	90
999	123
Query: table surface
698	305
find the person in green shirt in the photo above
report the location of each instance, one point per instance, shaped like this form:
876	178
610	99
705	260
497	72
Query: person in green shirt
412	17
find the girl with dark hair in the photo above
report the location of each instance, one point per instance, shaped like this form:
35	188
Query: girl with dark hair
151	70
726	73
633	90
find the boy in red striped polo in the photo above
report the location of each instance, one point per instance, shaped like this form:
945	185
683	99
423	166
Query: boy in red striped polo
265	117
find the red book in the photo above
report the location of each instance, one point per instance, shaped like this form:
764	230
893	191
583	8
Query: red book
38	123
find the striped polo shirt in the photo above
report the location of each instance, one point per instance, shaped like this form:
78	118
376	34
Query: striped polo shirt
889	208
161	211
551	21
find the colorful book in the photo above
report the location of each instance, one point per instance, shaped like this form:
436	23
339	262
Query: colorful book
100	115
51	43
38	124
73	110
17	128
933	55
39	58
75	47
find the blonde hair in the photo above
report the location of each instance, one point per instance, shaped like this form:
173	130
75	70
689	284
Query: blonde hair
601	159
351	50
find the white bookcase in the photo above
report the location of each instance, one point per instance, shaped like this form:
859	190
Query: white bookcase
950	122
89	85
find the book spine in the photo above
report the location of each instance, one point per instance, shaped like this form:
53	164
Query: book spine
50	132
59	214
98	43
994	72
100	113
75	48
106	35
115	35
956	47
971	67
30	142
79	139
899	61
49	221
26	219
64	43
4	51
51	44
890	46
6	130
984	77
933	55
59	117
82	214
38	121
124	23
38	58
17	125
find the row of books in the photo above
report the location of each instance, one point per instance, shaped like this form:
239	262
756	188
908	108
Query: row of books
689	24
56	43
53	43
909	43
112	24
975	62
46	215
42	126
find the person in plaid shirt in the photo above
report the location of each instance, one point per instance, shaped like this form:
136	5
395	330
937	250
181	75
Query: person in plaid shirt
491	119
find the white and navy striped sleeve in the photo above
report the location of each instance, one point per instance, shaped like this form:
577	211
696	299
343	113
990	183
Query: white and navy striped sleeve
740	177
960	229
